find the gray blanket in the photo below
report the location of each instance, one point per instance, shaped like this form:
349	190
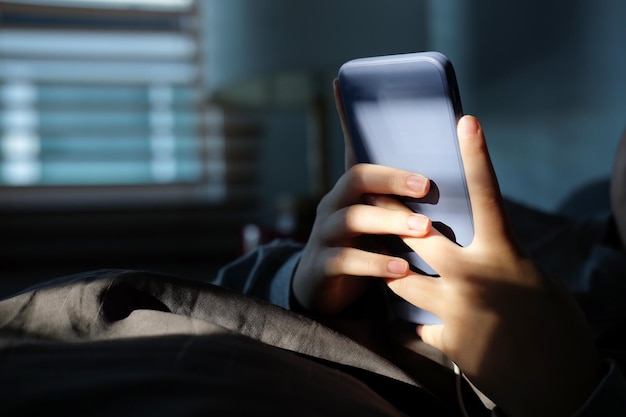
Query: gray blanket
124	342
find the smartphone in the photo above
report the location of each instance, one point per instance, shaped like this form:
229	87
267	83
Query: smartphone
402	111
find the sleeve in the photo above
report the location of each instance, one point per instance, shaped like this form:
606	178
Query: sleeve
608	399
560	245
265	273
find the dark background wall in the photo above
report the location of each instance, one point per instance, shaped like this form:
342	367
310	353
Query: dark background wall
546	78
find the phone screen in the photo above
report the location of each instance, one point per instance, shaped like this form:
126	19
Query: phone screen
402	112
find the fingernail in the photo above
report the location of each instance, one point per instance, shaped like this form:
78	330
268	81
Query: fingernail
417	183
417	222
468	126
397	267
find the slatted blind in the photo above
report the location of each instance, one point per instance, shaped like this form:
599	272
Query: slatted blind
109	98
109	153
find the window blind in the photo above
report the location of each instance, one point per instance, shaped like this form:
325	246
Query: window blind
109	153
112	99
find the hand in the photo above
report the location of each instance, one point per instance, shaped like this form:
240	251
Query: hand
334	269
516	333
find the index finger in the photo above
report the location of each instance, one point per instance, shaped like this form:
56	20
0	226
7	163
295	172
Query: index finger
490	219
364	179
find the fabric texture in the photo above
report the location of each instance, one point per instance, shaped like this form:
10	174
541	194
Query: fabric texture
128	342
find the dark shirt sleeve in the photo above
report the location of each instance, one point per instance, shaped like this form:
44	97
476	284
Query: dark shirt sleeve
608	398
264	273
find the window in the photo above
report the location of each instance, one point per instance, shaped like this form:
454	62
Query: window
110	154
109	98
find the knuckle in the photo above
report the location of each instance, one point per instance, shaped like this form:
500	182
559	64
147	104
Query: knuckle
355	176
372	266
337	261
323	205
391	181
350	219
